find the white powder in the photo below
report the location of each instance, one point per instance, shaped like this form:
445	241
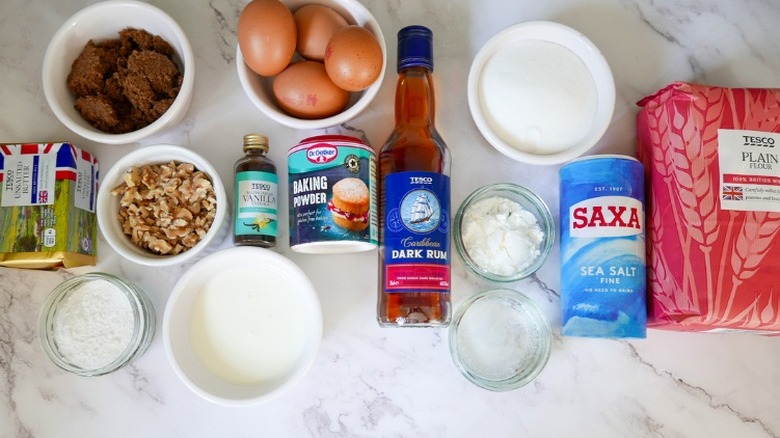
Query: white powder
496	339
500	236
93	325
538	96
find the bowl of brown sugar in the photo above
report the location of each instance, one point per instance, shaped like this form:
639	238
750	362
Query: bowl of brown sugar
119	71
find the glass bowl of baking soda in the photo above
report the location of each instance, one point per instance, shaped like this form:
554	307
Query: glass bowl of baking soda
96	323
503	232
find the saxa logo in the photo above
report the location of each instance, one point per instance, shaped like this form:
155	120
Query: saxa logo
606	216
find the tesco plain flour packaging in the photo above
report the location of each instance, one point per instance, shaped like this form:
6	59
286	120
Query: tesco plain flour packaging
712	160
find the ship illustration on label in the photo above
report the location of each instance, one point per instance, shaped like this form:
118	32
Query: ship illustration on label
420	211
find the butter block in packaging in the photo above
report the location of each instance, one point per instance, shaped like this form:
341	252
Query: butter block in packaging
47	206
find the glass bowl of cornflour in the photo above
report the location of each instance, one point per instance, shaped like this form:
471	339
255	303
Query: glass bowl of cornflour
503	232
96	323
541	92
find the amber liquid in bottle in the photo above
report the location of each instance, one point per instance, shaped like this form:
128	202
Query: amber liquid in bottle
414	145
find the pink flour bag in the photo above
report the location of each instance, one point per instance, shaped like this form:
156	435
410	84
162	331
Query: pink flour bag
712	160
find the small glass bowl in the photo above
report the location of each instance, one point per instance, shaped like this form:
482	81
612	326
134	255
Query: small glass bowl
529	201
500	339
143	323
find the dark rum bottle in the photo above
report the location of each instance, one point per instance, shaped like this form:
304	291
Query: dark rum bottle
414	166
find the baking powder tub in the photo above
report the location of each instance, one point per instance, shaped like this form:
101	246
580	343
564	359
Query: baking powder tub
332	195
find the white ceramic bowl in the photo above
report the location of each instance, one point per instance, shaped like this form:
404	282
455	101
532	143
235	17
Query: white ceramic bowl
541	92
259	90
103	21
108	205
242	325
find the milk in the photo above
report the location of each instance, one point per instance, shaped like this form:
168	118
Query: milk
247	328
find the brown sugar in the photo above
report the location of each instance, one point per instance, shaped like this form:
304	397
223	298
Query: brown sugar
122	85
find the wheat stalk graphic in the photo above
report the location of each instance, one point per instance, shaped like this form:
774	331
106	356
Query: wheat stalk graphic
763	111
754	240
662	282
709	105
690	156
761	313
659	127
722	271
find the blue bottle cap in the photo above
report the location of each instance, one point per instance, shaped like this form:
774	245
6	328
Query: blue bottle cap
415	47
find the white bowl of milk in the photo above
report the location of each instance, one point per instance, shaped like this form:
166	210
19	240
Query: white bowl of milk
541	92
242	325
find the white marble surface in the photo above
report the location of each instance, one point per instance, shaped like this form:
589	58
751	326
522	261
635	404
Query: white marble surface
369	381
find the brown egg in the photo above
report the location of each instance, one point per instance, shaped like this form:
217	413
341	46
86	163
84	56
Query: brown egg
304	90
316	24
353	58
266	36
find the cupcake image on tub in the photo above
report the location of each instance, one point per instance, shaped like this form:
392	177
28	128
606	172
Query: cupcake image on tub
349	204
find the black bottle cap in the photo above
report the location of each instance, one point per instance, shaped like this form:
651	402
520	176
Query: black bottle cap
415	47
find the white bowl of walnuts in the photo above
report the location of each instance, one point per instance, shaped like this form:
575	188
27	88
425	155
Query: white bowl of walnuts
162	205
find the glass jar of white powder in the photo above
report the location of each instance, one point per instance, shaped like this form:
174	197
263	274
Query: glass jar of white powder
503	232
96	323
500	339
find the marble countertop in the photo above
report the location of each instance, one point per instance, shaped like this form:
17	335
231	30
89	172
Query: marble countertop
369	381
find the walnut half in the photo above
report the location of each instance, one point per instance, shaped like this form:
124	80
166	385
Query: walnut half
166	208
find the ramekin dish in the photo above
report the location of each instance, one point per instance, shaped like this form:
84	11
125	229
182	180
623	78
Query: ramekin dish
510	70
102	21
143	316
242	326
258	89
527	201
108	205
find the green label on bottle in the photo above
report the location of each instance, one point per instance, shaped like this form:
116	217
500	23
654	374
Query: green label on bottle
256	195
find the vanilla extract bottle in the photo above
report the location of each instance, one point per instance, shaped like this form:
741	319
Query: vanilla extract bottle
257	191
414	166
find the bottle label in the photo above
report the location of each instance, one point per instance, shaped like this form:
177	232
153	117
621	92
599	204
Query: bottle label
417	232
256	195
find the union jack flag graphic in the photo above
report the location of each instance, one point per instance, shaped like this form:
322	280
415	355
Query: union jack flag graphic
732	193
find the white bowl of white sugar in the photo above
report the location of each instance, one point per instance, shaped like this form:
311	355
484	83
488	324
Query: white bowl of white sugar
503	232
541	92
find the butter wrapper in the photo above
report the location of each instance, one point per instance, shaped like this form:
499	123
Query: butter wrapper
47	206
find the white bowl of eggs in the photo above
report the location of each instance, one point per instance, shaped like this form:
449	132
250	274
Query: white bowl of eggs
310	64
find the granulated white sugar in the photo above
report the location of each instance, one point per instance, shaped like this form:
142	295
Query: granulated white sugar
538	96
93	325
500	236
496	339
